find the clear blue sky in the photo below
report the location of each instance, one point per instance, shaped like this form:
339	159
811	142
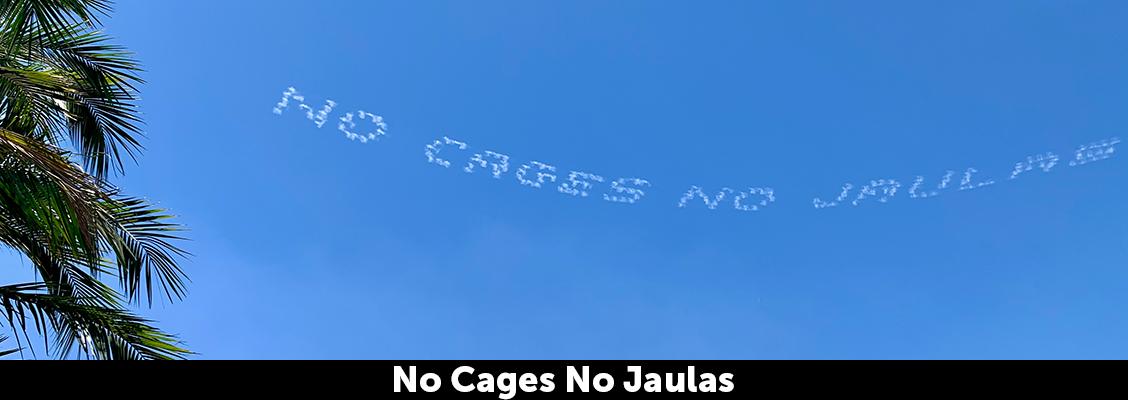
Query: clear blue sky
309	245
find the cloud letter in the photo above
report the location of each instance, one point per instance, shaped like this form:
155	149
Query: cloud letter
1095	151
1043	161
347	124
575	186
965	183
768	197
695	191
914	191
499	167
888	190
541	176
624	194
432	150
841	197
292	94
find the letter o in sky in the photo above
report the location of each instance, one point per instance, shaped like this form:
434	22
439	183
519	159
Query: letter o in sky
433	384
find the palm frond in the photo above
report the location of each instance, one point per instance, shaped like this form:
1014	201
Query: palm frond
79	219
23	17
140	239
93	104
106	332
67	118
8	351
40	181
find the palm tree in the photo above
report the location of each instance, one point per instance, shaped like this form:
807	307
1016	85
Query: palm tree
67	118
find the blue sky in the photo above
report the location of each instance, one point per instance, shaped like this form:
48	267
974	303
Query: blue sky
308	245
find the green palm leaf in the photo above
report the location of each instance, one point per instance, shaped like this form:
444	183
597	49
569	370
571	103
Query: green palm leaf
67	117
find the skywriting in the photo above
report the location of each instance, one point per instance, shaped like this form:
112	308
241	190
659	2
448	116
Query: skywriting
450	153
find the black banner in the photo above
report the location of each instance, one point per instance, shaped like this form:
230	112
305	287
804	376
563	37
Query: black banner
581	379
